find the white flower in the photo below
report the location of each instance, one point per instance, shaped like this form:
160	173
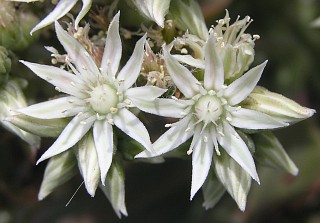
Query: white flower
209	114
61	9
98	98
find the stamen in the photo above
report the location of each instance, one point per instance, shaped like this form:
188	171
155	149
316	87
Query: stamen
221	133
111	121
57	89
79	114
187	129
205	139
189	151
167	125
113	110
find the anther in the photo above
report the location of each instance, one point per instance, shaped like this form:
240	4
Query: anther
113	110
211	92
110	121
79	114
167	125
221	133
187	129
205	139
189	151
57	89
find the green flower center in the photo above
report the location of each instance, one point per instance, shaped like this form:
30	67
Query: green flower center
103	99
208	108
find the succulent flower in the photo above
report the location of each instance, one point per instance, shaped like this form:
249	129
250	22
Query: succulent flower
209	113
235	47
97	99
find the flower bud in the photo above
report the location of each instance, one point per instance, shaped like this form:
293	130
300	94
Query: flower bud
59	170
5	64
276	105
187	15
15	27
270	152
40	127
115	188
154	10
11	97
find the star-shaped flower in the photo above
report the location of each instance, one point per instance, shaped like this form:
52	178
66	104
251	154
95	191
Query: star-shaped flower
97	98
209	114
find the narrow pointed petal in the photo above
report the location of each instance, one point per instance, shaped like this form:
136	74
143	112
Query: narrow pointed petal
62	8
88	163
145	92
133	127
63	80
181	76
237	149
201	161
171	139
59	170
235	179
115	189
214	71
113	48
56	108
162	107
250	119
73	132
78	55
103	138
84	10
238	90
130	72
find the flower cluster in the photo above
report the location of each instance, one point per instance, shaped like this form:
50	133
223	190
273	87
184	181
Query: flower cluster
200	80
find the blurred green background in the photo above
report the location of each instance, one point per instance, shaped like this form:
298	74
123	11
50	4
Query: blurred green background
160	192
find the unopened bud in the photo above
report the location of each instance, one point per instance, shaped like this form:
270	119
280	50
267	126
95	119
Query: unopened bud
276	106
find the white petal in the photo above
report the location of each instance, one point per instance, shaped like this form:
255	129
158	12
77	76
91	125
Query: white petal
238	90
115	189
84	10
88	163
237	149
214	71
145	92
56	108
187	59
133	127
250	119
78	55
113	48
163	107
73	132
130	72
181	76
63	80
201	161
62	8
171	139
103	138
